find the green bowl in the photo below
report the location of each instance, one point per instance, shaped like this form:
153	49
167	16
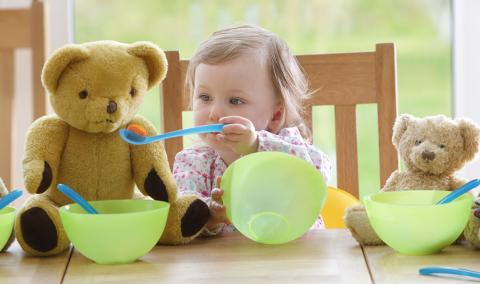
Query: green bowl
7	218
411	223
272	197
123	231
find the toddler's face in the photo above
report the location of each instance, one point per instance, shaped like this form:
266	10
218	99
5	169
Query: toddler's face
239	87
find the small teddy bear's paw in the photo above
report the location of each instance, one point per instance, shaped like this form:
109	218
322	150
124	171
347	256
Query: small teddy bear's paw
357	222
38	176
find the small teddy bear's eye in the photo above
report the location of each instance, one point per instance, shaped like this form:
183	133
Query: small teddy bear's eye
441	146
418	142
133	92
83	94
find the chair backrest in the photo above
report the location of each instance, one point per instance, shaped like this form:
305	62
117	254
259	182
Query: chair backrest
19	28
343	80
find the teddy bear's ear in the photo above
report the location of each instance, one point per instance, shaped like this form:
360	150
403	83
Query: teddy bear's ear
56	64
400	126
470	133
155	59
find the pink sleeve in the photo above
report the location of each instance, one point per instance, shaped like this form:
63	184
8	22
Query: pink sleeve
289	140
191	171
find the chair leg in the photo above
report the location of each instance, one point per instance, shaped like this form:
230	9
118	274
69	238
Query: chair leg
6	105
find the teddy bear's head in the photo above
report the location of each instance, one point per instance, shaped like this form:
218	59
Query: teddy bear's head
99	86
435	144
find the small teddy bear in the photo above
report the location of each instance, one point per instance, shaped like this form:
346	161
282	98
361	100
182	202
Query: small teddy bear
95	89
432	149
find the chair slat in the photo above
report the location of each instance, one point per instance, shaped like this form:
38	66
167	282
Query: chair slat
346	143
15	28
6	106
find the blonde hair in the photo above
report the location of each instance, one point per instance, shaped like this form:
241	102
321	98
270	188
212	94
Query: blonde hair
286	74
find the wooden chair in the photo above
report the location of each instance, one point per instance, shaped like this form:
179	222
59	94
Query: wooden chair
19	28
343	80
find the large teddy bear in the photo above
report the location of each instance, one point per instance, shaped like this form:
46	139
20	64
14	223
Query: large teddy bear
95	89
432	149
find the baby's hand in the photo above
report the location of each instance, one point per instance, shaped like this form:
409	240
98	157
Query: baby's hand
239	135
217	210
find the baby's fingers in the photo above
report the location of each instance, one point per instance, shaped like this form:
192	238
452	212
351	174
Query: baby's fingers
217	194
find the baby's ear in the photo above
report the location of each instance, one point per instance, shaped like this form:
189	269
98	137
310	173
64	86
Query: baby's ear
59	61
470	133
401	124
155	59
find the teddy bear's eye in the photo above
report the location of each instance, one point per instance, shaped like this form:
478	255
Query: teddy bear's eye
83	94
441	146
418	142
133	92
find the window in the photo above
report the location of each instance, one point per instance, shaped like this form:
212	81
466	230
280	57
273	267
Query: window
420	30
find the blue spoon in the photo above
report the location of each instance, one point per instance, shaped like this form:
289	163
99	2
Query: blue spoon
9	198
458	192
135	139
448	271
74	196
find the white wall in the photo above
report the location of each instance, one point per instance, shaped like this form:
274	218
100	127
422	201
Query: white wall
466	67
59	31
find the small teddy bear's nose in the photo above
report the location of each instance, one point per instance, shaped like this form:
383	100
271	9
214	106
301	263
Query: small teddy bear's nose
111	107
428	155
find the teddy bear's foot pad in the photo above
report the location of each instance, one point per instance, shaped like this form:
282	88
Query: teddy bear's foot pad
195	218
38	230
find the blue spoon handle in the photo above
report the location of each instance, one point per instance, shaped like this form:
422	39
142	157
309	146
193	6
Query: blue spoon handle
449	270
9	198
465	188
74	196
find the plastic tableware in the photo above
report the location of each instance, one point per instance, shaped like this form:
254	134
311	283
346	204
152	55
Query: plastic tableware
126	229
74	196
135	139
9	198
459	191
442	271
7	219
412	223
272	197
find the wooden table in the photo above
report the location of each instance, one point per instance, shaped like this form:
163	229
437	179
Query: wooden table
325	256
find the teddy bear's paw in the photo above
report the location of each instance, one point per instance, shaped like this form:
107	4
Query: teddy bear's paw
195	218
186	220
472	230
38	176
357	222
39	233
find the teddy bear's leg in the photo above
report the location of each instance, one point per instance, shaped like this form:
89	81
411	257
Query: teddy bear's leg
38	228
357	222
472	230
186	219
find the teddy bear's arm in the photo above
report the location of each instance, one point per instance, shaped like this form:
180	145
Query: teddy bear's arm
392	182
43	149
150	166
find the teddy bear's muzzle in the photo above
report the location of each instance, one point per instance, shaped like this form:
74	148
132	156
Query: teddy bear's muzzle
428	155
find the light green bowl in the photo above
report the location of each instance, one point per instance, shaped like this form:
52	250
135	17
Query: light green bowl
272	197
123	231
411	223
7	218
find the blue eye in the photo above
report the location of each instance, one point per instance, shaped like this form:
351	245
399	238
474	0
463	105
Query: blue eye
204	98
236	101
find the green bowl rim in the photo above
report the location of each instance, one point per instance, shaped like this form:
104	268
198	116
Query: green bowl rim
166	206
12	210
463	198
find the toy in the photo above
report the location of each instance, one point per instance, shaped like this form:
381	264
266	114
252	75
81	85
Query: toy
95	89
432	149
3	192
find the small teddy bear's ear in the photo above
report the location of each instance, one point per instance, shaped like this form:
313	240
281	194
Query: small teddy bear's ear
471	135
155	59
400	126
58	62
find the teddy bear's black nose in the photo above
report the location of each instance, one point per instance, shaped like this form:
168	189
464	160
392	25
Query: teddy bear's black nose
428	155
111	107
